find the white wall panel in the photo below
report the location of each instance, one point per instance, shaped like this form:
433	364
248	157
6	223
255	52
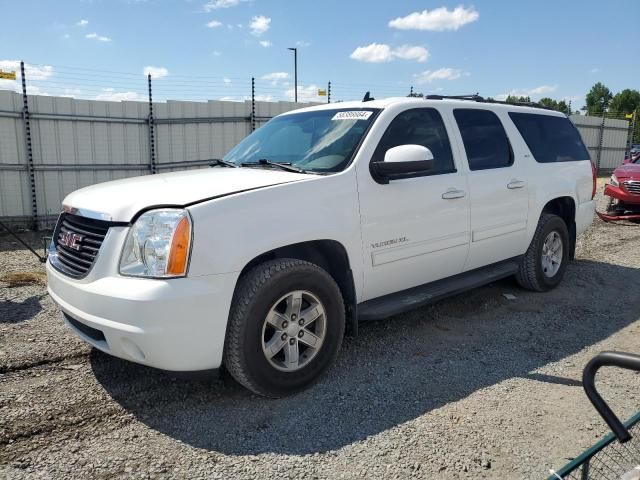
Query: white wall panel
82	142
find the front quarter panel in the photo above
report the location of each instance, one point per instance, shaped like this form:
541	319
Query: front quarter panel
229	232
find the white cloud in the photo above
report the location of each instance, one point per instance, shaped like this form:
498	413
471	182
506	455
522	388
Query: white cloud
214	24
594	70
303	44
33	72
66	36
259	25
276	77
429	76
227	81
381	52
99	38
83	23
265	43
373	53
305	94
409	52
216	53
72	93
155	72
436	20
109	94
217	4
528	92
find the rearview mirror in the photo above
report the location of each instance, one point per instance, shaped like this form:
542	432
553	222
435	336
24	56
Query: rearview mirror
403	161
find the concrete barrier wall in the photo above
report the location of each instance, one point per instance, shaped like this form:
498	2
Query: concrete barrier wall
76	143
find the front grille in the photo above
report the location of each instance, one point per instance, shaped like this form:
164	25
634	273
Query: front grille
77	241
632	186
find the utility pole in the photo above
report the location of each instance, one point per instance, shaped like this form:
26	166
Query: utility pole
295	73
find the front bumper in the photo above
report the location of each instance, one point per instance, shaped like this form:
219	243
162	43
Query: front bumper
177	324
621	194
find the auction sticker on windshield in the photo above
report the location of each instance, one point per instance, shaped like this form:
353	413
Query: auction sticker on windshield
352	115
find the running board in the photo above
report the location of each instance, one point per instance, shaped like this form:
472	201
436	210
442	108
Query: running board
415	297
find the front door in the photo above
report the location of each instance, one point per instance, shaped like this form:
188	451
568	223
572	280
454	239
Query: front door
414	230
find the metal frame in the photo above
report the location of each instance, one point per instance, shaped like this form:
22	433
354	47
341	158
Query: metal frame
620	431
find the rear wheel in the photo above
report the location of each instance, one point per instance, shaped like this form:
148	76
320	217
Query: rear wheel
285	328
544	263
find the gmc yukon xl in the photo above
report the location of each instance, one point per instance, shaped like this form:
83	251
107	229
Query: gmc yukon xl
324	217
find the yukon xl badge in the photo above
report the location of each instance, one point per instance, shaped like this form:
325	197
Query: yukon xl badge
70	240
389	242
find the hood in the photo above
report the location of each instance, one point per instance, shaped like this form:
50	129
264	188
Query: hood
122	199
629	170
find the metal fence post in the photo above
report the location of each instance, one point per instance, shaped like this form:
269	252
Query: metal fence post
27	135
329	92
253	104
152	137
600	142
634	116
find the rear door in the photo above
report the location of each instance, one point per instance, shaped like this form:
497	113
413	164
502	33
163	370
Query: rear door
498	188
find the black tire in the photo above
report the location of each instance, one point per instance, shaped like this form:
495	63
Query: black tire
531	275
255	294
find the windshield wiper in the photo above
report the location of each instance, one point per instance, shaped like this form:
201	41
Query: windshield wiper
218	162
281	165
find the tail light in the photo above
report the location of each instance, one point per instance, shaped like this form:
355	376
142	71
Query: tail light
595	180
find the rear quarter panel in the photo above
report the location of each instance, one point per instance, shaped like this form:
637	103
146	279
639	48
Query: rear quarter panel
553	180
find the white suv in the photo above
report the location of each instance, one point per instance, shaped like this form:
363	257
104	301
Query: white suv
323	217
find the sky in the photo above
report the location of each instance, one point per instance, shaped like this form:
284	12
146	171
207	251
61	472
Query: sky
210	49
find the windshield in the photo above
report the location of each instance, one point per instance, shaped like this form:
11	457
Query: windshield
321	141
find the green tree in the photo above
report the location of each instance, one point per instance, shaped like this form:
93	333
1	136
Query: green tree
514	99
560	106
625	101
598	99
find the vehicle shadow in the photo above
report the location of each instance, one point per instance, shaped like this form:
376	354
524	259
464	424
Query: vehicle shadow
19	311
395	371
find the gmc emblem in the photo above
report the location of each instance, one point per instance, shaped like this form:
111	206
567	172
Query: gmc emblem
70	240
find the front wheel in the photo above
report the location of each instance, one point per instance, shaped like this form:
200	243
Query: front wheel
544	263
285	328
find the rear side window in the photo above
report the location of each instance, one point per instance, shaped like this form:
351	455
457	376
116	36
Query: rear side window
484	138
419	126
550	139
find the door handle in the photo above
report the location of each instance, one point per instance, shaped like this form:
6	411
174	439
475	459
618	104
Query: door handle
513	184
453	193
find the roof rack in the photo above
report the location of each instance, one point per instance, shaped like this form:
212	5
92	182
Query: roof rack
477	98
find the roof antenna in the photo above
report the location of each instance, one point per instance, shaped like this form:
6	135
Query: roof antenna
367	97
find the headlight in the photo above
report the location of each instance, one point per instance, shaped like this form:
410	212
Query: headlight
614	181
158	245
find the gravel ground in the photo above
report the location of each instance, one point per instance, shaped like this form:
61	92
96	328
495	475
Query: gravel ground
475	386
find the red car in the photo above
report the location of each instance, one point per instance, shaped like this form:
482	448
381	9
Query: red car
623	191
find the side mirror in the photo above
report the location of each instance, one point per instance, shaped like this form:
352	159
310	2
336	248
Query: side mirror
403	161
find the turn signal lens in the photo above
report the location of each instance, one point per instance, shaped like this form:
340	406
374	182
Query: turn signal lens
179	252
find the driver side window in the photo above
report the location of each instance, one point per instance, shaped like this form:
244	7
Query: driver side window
419	126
